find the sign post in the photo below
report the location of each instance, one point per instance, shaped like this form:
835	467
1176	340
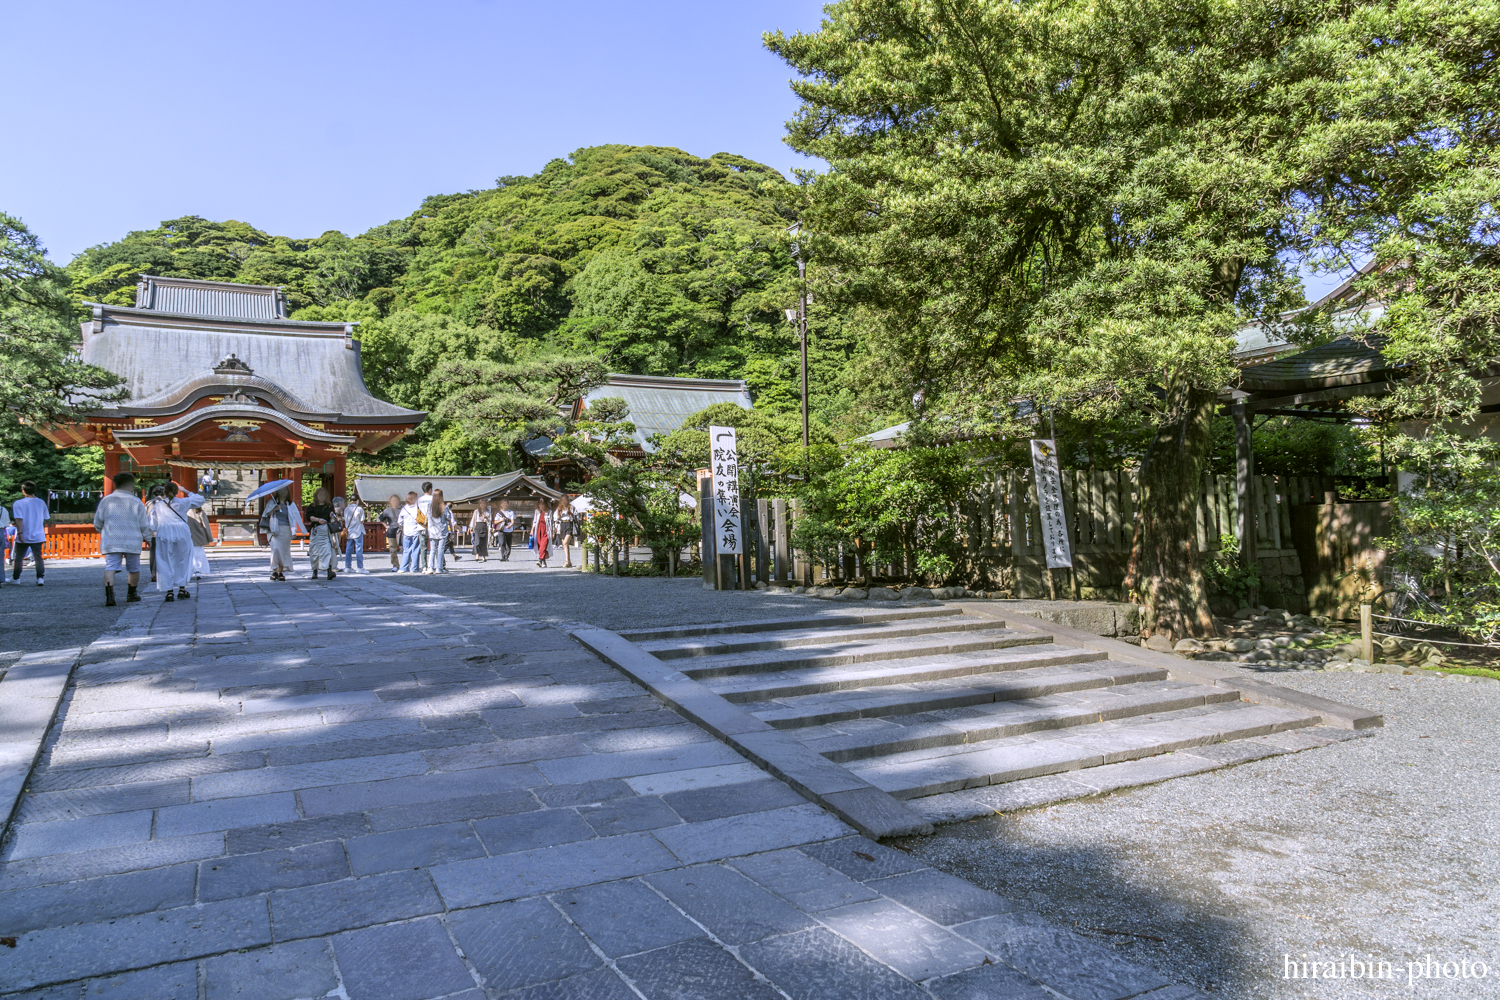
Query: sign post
1049	498
729	529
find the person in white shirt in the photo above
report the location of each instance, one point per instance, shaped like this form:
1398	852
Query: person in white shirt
31	533
174	537
123	525
424	504
413	535
439	523
354	529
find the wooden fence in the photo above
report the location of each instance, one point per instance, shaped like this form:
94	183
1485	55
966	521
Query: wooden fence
998	545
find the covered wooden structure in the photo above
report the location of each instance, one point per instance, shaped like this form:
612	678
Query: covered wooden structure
220	378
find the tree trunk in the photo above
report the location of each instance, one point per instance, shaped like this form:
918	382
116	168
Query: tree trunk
1166	566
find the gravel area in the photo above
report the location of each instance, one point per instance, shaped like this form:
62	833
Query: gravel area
1386	846
68	611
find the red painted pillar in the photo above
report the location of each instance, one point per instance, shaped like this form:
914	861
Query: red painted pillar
339	481
296	478
111	470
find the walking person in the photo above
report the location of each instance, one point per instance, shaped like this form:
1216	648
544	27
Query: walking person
566	528
167	514
30	515
439	522
280	521
424	504
541	534
354	532
123	525
203	536
413	534
320	520
391	518
479	524
505	521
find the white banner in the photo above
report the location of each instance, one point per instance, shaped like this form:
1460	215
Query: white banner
1054	526
728	530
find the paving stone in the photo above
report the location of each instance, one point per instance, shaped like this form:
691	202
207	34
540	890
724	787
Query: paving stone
519	944
178	981
989	982
466	808
272	836
59	954
400	962
403	791
862	859
732	907
280	972
1059	958
817	964
531	830
219	765
492	880
66	836
307	776
625	917
226	814
705	777
246	874
637	762
64	991
733	835
802	881
415	848
941	897
43	807
110	861
462	758
909	943
308	753
718	801
602	984
694	970
352	903
1175	993
584	792
642	812
91	900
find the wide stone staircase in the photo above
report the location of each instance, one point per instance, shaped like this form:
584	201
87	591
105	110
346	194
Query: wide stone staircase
921	701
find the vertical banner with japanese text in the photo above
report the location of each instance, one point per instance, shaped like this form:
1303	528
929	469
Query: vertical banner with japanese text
1054	526
728	530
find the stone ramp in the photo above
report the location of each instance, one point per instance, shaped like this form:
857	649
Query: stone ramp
940	707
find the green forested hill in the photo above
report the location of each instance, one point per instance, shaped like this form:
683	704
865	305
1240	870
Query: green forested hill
663	262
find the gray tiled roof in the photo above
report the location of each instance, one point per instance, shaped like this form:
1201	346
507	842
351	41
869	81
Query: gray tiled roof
659	404
160	354
456	489
209	298
1342	362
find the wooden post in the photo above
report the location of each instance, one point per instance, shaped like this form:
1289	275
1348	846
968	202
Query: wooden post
340	483
706	547
1244	472
1366	634
111	470
778	525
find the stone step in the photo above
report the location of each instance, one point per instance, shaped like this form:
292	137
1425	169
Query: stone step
861	651
930	696
882	673
832	619
860	739
992	762
672	649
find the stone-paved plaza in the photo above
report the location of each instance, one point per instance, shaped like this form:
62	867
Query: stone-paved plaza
364	790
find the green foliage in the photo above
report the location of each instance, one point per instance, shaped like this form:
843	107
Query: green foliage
1227	576
772	460
877	502
41	378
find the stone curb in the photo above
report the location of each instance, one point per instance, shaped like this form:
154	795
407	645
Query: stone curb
30	696
1256	691
869	810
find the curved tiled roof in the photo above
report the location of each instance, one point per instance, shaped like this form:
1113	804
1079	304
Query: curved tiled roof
659	404
232	411
1342	362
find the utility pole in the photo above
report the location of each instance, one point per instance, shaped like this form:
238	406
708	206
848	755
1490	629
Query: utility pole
792	231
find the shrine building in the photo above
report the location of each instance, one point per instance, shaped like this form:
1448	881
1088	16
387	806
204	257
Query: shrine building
221	380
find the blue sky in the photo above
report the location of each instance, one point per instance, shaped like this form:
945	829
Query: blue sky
305	117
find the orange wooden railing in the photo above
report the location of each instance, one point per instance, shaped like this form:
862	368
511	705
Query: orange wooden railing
81	541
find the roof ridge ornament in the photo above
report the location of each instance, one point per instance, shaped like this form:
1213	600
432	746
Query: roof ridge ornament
232	365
